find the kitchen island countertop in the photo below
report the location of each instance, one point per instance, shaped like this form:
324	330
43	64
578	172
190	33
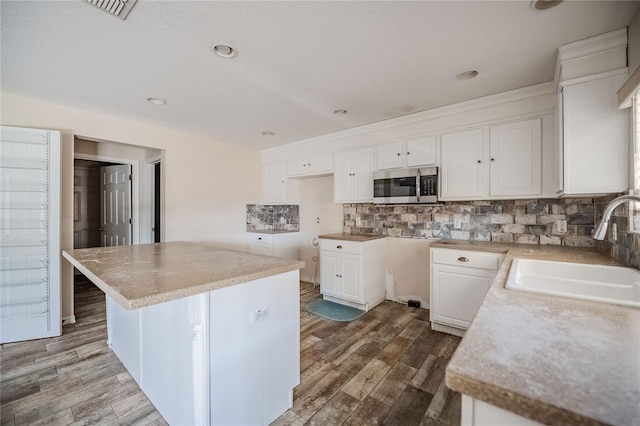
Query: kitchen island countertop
552	359
141	275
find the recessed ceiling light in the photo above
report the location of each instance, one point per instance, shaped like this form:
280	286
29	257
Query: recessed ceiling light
467	75
340	111
544	4
224	51
156	101
267	133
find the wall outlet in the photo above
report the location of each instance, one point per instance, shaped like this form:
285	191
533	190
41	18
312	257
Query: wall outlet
457	223
561	225
614	232
259	315
358	221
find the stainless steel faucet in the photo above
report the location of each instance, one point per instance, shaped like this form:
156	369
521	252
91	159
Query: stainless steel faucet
601	230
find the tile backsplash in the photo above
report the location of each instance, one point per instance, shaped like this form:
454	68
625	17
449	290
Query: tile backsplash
273	217
519	221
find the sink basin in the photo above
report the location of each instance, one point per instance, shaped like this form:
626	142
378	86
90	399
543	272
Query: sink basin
600	283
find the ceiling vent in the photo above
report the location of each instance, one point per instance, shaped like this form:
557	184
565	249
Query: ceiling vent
119	8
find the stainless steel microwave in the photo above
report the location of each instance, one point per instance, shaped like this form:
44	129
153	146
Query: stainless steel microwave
406	186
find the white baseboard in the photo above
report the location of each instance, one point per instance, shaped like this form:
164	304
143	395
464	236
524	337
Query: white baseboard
69	320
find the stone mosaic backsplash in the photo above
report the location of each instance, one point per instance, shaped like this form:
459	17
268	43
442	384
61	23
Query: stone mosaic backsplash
273	217
519	221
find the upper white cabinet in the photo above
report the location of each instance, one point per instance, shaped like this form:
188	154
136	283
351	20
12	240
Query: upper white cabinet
353	176
509	165
321	164
592	138
464	169
410	153
516	158
274	183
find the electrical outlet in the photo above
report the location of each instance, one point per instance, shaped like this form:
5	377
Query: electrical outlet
457	223
358	222
561	225
614	232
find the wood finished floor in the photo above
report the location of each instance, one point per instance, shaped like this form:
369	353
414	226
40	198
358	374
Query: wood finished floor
386	367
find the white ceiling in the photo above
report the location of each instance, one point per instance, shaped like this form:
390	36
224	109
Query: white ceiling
298	61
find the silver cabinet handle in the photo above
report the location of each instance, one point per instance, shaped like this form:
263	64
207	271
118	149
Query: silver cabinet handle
338	247
463	259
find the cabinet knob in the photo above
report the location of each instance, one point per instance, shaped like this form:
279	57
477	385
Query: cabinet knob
463	259
398	154
338	247
259	238
479	161
493	159
408	153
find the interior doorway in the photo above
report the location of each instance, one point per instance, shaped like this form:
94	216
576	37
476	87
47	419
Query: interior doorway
88	204
156	196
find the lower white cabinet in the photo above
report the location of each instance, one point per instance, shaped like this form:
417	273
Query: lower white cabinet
479	413
285	245
460	280
353	273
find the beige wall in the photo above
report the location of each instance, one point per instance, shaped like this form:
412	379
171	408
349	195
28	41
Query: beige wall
316	201
207	183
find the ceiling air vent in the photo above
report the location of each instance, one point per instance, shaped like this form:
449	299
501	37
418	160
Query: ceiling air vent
119	8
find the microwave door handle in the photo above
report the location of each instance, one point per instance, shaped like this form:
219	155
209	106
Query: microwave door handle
418	185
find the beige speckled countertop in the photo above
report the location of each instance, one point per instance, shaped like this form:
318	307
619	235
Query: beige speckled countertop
136	276
352	237
271	231
551	359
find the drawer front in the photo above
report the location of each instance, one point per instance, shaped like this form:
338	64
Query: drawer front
466	258
260	238
340	246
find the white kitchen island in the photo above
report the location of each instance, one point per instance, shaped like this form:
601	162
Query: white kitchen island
211	336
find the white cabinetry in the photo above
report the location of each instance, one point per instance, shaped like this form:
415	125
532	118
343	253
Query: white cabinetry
274	183
410	153
516	158
464	171
593	138
353	273
510	165
312	166
478	413
285	245
353	177
460	280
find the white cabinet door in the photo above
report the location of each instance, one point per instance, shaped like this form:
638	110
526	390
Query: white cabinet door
353	176
329	273
457	293
464	169
297	167
391	155
363	175
596	138
516	158
320	164
352	286
421	151
274	183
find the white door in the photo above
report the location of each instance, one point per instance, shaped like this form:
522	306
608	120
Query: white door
350	276
343	178
274	189
421	152
364	175
29	234
329	274
464	170
391	155
115	205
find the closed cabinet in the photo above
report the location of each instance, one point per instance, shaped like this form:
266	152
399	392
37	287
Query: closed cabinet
353	176
274	183
592	146
509	164
460	280
464	170
353	273
285	245
312	166
516	158
411	153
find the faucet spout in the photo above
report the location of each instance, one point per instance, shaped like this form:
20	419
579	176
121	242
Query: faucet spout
601	230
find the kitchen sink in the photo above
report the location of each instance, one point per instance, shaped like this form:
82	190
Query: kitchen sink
600	283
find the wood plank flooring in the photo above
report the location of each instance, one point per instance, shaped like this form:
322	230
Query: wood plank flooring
386	367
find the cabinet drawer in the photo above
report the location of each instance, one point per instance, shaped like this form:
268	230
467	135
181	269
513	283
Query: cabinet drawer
259	238
466	258
340	246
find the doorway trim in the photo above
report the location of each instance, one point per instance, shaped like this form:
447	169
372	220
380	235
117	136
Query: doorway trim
135	188
150	164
